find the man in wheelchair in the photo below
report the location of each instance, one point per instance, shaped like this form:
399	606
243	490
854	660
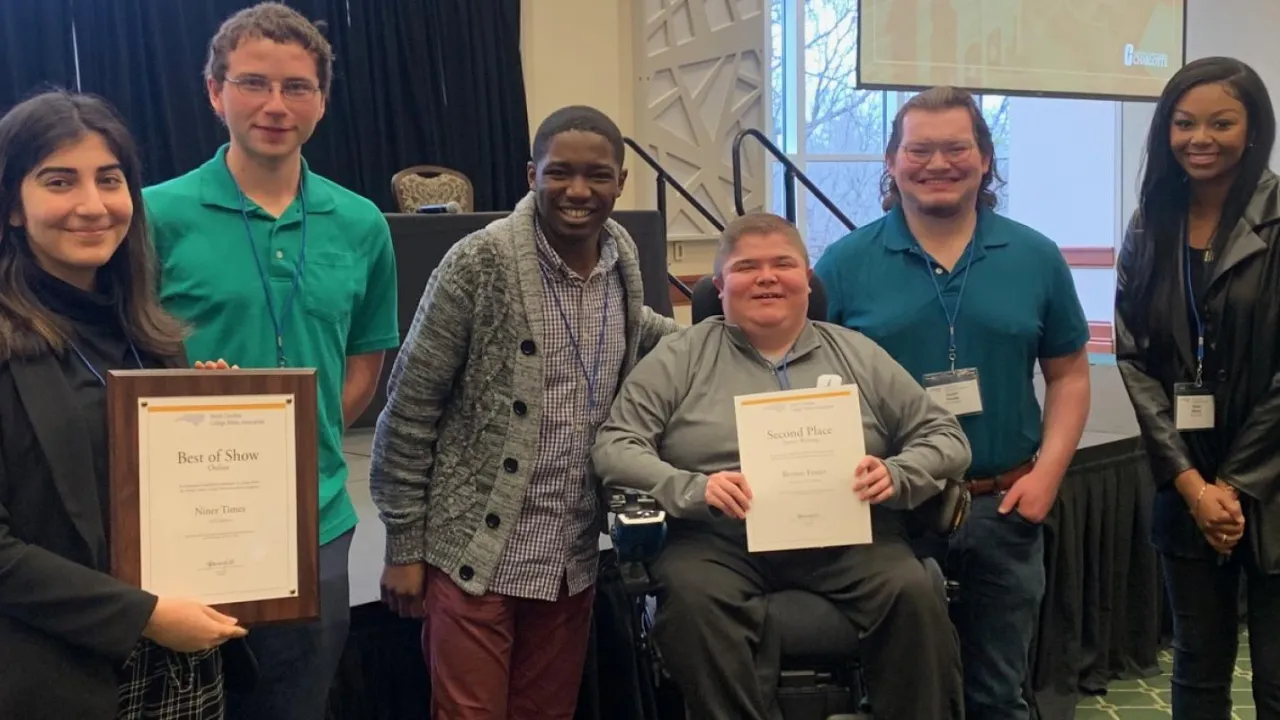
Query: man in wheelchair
672	434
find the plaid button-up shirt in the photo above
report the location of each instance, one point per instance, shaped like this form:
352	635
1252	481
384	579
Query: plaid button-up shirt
584	340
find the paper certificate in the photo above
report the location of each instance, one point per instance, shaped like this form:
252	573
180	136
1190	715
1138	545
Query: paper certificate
218	497
799	449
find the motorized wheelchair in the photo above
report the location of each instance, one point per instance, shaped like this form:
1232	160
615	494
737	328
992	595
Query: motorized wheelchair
821	678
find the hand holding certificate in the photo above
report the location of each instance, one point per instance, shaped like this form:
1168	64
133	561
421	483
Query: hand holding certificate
873	482
800	449
213	488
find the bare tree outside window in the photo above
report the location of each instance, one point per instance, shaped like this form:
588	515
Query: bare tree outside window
839	142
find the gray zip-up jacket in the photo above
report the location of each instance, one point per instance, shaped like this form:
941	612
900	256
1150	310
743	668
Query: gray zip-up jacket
456	442
673	423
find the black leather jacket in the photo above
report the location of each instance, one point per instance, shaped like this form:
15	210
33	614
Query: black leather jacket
1241	323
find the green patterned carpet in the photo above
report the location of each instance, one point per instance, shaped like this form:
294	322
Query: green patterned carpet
1139	699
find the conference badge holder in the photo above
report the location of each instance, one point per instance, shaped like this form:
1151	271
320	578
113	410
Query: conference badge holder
1193	406
956	391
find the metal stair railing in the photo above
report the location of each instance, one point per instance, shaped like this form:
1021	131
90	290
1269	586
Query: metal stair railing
791	174
666	180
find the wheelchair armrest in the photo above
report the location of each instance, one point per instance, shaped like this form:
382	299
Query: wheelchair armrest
638	533
944	513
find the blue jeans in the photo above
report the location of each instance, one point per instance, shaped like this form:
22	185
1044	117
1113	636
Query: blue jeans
297	662
998	561
1205	596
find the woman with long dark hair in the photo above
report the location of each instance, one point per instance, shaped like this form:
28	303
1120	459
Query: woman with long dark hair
77	299
1197	341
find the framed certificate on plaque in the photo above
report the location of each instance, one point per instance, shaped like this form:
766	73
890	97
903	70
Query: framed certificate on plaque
214	488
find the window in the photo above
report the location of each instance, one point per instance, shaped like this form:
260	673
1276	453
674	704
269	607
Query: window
834	132
1069	188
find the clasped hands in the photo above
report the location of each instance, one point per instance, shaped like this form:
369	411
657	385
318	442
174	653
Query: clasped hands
729	492
1217	512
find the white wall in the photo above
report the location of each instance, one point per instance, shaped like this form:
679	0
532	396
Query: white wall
1248	30
579	52
1064	182
1061	176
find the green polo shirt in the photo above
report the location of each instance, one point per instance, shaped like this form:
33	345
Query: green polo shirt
345	302
1018	305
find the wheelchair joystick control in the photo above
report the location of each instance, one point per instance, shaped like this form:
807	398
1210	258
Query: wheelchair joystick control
638	532
640	526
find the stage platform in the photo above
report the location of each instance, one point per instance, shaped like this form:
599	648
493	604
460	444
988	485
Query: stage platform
1103	581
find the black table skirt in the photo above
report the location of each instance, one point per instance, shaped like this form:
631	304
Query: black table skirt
1104	616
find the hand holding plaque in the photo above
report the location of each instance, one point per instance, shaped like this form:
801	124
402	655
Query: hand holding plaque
218	364
213	488
188	626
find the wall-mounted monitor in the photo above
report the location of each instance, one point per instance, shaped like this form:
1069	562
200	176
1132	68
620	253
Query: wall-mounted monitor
1112	49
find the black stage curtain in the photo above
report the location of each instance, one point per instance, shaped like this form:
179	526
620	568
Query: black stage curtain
488	128
384	111
147	58
415	83
1103	614
36	49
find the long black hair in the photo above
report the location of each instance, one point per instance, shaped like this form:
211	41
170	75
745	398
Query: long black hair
1164	197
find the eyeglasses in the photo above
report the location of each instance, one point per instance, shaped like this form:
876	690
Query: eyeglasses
921	154
257	86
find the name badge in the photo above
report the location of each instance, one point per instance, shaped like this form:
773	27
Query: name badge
1193	406
956	391
828	381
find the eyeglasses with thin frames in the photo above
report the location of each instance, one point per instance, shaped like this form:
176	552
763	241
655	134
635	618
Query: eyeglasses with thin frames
921	154
291	89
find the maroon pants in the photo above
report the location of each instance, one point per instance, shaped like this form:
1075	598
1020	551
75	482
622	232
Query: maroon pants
495	657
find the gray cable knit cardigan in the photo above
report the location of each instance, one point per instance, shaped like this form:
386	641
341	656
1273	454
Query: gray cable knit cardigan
457	440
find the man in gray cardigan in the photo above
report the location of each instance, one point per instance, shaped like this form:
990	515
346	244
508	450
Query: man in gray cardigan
481	458
672	433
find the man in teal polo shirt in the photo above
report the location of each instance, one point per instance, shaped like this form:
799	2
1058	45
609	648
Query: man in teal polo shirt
969	302
274	266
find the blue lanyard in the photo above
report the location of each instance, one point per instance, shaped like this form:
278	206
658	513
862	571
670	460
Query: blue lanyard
780	373
594	375
101	380
950	314
278	321
1195	313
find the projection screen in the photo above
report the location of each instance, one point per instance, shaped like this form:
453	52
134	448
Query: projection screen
1073	48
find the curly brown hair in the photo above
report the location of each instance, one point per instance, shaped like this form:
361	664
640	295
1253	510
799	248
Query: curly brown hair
275	22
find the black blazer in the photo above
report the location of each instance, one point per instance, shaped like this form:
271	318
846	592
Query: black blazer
1241	316
66	626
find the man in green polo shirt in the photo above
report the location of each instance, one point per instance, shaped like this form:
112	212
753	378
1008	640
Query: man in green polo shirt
969	302
275	266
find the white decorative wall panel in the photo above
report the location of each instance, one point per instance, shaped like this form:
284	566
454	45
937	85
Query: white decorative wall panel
702	79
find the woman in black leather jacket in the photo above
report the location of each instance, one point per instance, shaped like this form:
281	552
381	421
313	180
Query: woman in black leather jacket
1197	310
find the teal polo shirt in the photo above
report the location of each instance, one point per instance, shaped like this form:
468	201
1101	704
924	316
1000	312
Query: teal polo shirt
345	303
1019	305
